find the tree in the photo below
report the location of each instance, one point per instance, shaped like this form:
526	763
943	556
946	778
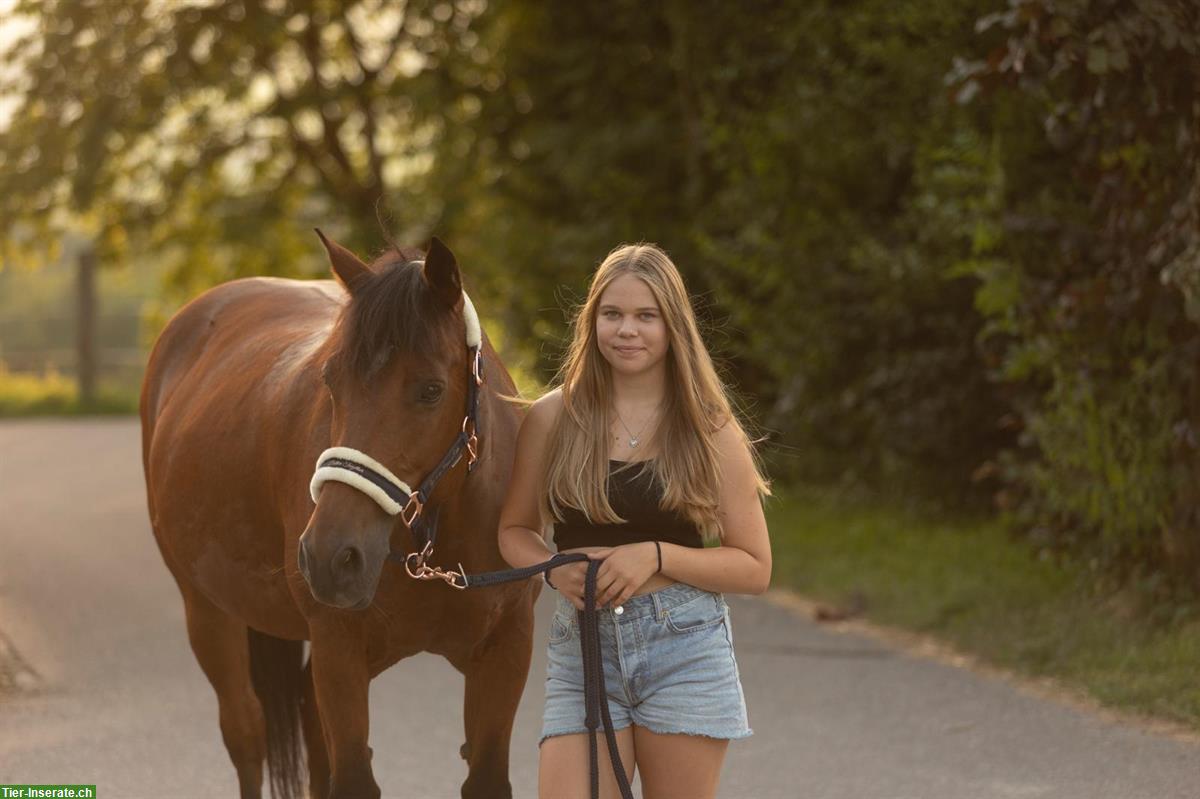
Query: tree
1094	261
773	149
218	133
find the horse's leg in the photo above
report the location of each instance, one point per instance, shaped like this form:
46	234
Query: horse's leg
495	680
220	645
341	680
314	740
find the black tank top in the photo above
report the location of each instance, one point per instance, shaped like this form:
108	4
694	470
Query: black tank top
635	495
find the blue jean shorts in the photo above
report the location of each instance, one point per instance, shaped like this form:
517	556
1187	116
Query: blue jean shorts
668	666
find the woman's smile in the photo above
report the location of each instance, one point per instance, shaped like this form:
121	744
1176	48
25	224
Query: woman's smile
630	330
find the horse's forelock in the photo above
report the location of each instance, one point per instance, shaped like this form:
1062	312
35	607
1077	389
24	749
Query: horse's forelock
392	310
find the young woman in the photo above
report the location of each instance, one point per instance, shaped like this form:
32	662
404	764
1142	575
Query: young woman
637	459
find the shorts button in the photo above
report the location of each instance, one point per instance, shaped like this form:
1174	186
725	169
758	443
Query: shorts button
619	609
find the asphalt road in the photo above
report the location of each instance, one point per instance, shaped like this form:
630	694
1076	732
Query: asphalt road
119	701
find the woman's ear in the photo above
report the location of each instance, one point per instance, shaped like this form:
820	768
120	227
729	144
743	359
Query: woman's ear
347	267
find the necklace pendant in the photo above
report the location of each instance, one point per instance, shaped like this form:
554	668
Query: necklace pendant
633	442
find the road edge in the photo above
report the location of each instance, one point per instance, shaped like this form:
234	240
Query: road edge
929	647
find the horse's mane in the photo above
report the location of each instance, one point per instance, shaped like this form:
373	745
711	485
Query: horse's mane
391	309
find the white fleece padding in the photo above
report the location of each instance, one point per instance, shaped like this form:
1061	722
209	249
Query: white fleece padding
322	476
338	474
474	329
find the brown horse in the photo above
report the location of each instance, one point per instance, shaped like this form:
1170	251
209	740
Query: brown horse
247	385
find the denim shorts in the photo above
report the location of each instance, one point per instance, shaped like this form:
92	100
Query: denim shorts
668	666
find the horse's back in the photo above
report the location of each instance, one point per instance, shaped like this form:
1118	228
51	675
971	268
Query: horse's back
238	318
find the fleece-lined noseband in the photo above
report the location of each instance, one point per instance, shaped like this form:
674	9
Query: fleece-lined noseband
359	470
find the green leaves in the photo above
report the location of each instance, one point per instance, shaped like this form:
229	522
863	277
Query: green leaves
125	110
1102	334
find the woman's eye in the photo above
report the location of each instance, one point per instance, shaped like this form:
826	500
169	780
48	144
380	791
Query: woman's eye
646	317
431	392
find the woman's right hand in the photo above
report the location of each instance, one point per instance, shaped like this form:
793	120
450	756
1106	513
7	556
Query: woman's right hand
569	581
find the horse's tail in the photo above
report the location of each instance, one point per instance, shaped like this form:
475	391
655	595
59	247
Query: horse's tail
277	671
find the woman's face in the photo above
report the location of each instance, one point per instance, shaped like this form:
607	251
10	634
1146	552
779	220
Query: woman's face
630	330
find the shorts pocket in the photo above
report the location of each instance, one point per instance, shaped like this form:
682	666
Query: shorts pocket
560	628
701	613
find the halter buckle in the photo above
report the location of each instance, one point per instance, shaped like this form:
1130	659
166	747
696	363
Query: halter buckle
412	508
477	367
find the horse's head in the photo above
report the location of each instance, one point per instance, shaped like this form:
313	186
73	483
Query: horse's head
399	372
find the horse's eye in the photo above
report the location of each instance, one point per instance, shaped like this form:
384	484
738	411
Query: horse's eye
431	392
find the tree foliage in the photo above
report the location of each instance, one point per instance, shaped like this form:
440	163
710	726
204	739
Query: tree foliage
1094	249
774	150
221	132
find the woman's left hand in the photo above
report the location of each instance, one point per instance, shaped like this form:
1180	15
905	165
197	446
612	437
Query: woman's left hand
624	570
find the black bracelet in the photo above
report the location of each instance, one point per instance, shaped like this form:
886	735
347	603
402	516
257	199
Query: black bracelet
658	548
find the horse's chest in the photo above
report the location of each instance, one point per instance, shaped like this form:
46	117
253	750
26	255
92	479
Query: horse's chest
428	617
244	588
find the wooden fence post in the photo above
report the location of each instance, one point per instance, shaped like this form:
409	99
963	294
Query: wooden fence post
85	327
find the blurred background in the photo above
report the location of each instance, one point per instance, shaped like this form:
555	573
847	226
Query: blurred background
946	253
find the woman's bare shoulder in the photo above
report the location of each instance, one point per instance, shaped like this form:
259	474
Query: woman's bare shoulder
733	447
544	410
548	405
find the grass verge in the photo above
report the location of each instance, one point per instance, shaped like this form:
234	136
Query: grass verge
52	394
969	583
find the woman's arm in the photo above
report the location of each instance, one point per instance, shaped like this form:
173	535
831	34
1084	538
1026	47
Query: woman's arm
742	565
521	543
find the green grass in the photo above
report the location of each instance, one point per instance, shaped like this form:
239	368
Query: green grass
969	583
52	394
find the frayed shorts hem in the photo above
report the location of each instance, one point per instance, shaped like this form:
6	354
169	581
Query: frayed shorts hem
736	736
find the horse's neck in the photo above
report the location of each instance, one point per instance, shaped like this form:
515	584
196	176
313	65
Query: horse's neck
475	512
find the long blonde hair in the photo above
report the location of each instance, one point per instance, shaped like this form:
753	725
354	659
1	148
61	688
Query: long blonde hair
696	406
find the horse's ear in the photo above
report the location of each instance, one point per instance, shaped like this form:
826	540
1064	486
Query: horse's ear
347	267
441	272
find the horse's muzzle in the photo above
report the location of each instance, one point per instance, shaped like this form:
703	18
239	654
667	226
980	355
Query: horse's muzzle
347	579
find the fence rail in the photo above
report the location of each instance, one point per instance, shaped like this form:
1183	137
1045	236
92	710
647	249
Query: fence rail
110	360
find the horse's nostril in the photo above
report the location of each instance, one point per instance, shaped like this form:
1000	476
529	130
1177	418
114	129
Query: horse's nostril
349	560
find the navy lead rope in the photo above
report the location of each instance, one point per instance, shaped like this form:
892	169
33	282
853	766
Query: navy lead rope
595	692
